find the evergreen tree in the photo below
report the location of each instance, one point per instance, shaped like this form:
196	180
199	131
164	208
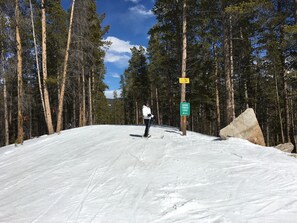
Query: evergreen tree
136	88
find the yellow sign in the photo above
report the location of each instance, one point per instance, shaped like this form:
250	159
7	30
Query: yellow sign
184	80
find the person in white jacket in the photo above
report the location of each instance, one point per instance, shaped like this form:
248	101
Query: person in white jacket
147	116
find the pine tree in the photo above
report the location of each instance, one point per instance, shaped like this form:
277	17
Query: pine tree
136	87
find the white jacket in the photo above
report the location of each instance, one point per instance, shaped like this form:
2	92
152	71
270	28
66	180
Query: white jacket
146	111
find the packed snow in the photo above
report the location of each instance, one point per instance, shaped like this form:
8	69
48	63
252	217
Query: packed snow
110	174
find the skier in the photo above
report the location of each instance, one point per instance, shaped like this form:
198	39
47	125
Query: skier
147	116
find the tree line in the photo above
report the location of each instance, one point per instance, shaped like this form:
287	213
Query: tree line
240	54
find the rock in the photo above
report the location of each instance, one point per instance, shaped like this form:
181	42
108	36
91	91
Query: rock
286	147
293	155
245	126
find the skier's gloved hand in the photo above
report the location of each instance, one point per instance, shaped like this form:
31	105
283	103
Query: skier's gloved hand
149	115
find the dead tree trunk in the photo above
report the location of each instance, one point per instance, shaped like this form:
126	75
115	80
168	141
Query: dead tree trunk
62	91
37	64
48	115
20	137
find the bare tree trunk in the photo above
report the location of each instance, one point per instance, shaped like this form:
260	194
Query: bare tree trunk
93	78
157	104
62	92
287	109
136	113
184	67
44	71
293	115
279	109
83	96
37	65
192	122
267	131
74	108
92	87
30	117
80	115
90	100
20	137
218	112
231	68
6	126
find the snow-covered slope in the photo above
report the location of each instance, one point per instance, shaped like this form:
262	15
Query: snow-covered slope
108	174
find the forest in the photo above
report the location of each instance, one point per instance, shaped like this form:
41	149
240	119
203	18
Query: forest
237	54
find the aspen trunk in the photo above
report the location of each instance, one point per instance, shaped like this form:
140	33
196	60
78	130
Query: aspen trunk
20	137
62	91
37	64
6	126
44	71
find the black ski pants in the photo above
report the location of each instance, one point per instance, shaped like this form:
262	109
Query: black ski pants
147	123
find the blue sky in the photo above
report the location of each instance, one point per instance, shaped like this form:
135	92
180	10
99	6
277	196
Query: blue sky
130	21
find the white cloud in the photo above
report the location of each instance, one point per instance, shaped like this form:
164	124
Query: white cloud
140	10
134	1
115	75
119	45
119	52
113	57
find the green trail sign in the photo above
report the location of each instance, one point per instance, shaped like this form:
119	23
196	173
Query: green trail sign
184	109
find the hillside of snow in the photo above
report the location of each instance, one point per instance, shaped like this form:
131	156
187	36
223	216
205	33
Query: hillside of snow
108	174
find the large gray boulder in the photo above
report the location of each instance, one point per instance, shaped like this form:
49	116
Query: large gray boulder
245	126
